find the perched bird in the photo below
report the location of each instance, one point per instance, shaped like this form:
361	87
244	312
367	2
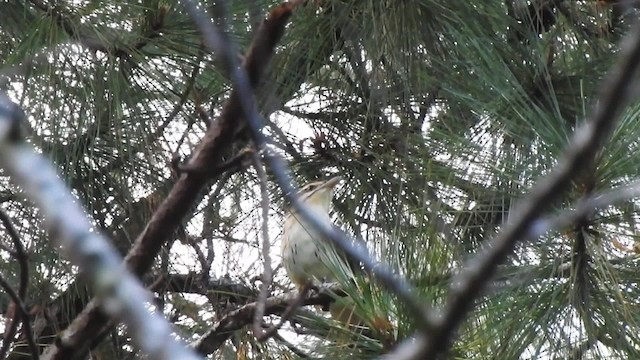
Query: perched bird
308	258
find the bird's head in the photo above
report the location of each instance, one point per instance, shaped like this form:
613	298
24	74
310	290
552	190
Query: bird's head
319	193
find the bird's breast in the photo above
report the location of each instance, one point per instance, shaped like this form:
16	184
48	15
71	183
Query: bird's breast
301	253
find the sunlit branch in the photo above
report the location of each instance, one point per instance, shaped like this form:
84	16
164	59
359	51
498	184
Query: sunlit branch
583	208
617	90
122	295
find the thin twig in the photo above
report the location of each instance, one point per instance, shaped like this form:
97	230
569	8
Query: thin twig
216	40
199	254
267	274
188	89
204	115
583	208
244	315
240	160
286	315
21	254
23	315
299	353
7	249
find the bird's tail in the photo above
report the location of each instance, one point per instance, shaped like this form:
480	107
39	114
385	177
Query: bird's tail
343	309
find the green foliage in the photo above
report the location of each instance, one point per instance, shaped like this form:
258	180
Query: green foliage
438	114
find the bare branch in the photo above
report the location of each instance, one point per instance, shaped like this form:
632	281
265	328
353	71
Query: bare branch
267	275
286	314
275	305
23	315
617	89
224	288
170	213
239	161
216	40
120	292
583	208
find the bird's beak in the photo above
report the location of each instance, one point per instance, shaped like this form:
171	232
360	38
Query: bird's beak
331	183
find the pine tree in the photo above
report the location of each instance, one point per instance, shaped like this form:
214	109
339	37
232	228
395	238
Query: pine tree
439	115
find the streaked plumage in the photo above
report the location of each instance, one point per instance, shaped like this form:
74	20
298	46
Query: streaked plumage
305	254
301	248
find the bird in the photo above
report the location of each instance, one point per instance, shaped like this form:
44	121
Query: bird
308	258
